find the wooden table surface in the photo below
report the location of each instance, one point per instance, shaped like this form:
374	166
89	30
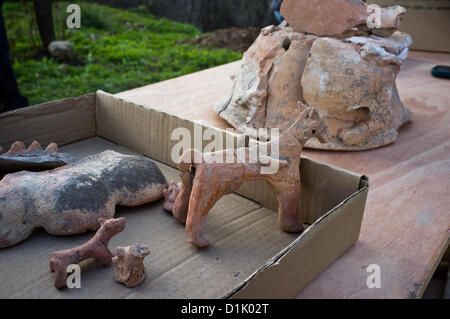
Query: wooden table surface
406	227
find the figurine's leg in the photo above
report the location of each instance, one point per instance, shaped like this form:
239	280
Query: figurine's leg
181	206
288	210
201	201
60	276
52	266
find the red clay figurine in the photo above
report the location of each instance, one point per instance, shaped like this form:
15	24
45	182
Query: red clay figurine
96	248
205	183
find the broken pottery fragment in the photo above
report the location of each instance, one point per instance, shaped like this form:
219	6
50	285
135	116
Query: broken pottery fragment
269	79
129	266
338	17
220	173
350	81
390	19
358	94
388	23
324	18
70	199
33	158
96	248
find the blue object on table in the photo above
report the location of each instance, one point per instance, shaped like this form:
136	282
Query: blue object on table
441	71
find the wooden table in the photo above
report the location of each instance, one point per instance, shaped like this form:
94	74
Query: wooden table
406	227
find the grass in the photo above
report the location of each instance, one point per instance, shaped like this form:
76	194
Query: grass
115	50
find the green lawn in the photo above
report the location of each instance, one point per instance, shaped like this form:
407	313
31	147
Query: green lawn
115	50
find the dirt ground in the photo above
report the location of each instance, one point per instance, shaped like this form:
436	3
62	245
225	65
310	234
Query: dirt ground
234	39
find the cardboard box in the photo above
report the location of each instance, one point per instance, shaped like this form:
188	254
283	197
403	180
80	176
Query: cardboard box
427	21
249	256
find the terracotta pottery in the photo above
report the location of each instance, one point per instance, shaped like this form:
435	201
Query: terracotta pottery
338	17
349	78
220	173
324	18
129	266
96	248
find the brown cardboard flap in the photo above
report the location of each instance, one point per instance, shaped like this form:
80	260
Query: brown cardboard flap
64	121
322	188
312	252
142	129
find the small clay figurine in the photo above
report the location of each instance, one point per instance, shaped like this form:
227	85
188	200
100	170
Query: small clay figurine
96	248
129	266
70	199
33	158
170	196
212	179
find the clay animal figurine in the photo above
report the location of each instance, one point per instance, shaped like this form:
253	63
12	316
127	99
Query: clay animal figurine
205	183
96	248
129	266
33	158
70	199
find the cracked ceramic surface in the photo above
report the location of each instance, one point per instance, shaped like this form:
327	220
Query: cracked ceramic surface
170	196
349	80
129	266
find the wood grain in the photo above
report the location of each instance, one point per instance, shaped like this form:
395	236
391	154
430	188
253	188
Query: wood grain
406	228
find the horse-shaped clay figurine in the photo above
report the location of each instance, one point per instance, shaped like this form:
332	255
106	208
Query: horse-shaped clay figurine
207	177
